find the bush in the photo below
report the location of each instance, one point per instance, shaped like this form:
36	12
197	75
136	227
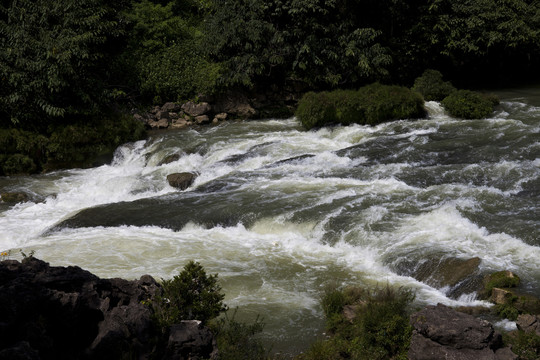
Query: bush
191	295
23	151
432	87
17	164
370	105
380	329
468	104
238	341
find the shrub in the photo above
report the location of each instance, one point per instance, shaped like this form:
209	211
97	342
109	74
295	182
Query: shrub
370	105
524	344
468	104
432	87
237	340
18	164
380	329
191	295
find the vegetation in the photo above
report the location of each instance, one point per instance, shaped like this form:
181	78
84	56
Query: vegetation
79	64
380	327
432	87
500	279
370	105
468	104
190	295
524	344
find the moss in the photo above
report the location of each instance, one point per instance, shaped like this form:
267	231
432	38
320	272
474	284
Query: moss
468	104
432	87
370	105
500	279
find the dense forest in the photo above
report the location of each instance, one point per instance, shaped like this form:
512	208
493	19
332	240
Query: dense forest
71	68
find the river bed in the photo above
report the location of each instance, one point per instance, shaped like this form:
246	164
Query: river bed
279	212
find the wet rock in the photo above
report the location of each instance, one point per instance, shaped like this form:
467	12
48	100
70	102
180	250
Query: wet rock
14	197
158	124
179	123
236	104
529	323
190	340
181	180
163	115
194	109
501	296
439	332
169	159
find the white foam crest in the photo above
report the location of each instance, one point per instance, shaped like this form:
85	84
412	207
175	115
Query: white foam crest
435	109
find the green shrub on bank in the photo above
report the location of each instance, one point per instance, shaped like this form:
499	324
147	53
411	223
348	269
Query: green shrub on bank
370	105
432	87
380	328
191	295
468	104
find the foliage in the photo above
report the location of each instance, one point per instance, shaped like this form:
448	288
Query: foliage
237	340
190	295
370	105
165	53
524	344
468	104
53	62
315	42
432	87
507	310
380	329
23	151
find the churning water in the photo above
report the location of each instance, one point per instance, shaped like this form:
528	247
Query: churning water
279	212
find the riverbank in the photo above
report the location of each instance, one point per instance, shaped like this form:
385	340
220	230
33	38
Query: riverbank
85	317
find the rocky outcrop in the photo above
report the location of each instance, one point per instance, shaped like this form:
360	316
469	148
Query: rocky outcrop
181	180
69	313
190	340
440	332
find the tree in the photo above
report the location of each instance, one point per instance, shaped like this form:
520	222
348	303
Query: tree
320	43
53	63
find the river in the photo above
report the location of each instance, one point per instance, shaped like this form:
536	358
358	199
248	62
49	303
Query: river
278	212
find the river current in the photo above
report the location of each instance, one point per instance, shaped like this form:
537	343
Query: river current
279	212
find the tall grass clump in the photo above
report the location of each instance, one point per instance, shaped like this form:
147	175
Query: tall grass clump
378	328
370	105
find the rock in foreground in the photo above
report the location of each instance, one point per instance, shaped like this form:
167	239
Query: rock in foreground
440	332
69	313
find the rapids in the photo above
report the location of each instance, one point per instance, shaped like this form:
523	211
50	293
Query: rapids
278	212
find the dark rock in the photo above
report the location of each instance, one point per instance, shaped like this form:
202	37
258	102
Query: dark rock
236	104
158	124
69	313
194	109
20	351
439	332
163	115
181	180
14	197
190	340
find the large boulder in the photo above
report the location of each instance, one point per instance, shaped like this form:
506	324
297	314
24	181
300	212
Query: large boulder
529	323
13	197
440	332
181	180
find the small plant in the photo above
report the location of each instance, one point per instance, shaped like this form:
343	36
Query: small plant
191	295
237	340
380	328
4	255
524	344
27	257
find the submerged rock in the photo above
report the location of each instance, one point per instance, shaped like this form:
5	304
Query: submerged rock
14	197
440	332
